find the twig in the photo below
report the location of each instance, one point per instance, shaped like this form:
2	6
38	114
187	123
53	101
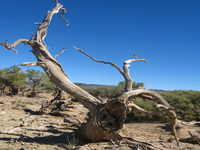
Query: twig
60	52
33	64
56	2
63	12
134	60
135	56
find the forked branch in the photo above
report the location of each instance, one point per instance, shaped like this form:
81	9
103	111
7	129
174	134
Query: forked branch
134	60
125	73
42	29
164	106
14	44
137	92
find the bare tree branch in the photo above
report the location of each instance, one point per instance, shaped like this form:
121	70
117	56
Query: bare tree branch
29	64
7	47
144	96
164	109
128	79
112	64
125	73
42	29
136	107
60	52
135	56
137	92
56	2
134	60
63	12
14	44
41	64
159	98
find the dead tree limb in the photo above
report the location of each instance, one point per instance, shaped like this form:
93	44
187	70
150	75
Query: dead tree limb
112	64
193	139
147	94
52	68
125	73
128	80
164	105
60	53
12	46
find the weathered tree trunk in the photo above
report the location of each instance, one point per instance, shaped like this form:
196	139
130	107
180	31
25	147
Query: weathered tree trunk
106	120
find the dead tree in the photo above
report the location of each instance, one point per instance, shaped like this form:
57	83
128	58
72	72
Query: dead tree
105	120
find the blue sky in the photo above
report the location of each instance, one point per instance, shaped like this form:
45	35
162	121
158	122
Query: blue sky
165	32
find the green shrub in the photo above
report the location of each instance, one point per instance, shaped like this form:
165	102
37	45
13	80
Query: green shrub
105	91
187	102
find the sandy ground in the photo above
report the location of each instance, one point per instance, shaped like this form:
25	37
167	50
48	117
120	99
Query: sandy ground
22	128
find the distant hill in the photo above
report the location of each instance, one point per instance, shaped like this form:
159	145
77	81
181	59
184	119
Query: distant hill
159	90
89	85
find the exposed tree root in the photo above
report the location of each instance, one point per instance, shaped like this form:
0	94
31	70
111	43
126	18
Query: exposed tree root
53	107
193	139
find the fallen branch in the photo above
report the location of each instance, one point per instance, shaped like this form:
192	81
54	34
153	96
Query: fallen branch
192	139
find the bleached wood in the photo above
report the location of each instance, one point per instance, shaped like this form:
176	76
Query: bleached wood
138	92
52	68
106	119
125	73
60	53
157	97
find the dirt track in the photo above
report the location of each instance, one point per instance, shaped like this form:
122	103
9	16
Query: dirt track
22	128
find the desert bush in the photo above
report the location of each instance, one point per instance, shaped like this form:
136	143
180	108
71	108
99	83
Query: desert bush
187	103
105	91
14	78
47	85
